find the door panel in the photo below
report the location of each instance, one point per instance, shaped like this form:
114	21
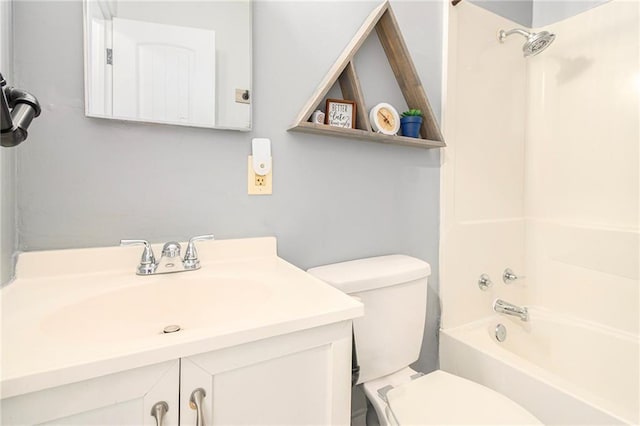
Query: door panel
116	399
292	379
163	72
291	390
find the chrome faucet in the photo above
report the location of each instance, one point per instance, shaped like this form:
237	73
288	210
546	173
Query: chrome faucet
170	258
503	307
170	261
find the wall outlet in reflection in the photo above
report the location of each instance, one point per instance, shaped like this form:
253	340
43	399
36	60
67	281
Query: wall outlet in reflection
257	184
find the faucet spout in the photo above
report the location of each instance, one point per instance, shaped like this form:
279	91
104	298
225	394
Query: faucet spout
503	307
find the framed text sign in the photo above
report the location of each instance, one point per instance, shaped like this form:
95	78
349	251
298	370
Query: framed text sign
340	113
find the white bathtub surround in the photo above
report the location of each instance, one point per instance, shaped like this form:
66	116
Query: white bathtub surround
582	181
542	176
482	201
73	315
565	370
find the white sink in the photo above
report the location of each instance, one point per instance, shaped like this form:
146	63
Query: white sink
75	314
147	307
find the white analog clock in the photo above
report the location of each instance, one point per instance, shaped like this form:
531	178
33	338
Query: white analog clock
384	119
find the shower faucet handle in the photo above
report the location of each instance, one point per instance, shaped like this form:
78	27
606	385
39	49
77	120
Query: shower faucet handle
484	282
508	276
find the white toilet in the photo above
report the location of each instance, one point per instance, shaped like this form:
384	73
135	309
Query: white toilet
388	338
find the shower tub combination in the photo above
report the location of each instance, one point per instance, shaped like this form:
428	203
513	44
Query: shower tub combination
563	370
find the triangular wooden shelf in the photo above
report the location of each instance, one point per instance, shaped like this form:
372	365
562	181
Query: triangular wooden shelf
343	71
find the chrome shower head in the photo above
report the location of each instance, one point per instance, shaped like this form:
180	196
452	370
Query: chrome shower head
536	42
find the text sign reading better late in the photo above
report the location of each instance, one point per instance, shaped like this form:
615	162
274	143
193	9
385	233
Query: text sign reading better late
340	114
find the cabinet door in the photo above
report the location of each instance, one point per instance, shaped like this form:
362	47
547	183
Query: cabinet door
294	379
118	399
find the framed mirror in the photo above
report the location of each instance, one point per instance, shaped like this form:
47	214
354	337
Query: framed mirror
186	63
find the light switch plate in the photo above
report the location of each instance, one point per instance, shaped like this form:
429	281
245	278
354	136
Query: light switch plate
256	184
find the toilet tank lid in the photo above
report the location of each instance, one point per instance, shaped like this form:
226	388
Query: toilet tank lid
373	272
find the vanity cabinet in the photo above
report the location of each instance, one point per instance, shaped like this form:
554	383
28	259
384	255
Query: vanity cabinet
296	378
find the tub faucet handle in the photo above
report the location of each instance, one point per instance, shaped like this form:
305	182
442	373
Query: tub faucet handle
509	276
484	282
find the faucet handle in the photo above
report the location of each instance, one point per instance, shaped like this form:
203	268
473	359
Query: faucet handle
191	260
147	260
508	276
484	282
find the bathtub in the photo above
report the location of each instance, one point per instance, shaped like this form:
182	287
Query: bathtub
563	370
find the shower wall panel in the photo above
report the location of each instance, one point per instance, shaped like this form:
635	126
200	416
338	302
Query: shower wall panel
482	201
582	152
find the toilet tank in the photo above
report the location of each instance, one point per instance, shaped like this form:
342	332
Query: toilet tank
393	290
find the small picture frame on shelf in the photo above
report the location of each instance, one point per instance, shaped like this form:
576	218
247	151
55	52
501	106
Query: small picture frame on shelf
340	113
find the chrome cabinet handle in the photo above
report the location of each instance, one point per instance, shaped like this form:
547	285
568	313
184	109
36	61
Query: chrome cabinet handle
195	402
147	260
508	276
158	411
191	260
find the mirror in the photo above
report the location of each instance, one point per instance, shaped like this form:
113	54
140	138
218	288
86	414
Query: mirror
186	63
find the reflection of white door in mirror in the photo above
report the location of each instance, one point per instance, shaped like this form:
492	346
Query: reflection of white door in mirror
163	73
177	62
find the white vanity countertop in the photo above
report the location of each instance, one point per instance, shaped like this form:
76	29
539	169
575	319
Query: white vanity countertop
72	315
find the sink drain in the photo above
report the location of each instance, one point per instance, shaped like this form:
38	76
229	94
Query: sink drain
171	329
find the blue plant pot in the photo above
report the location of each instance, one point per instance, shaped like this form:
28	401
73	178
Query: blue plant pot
411	126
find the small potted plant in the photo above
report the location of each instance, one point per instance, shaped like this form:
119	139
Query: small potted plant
410	122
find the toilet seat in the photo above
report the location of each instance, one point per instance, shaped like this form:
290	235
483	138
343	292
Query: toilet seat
442	398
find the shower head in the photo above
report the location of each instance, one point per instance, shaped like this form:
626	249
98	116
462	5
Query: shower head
536	42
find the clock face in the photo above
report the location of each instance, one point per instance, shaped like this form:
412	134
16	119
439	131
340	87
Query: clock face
384	119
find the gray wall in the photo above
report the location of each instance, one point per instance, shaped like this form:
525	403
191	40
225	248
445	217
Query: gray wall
547	12
537	13
520	11
7	160
90	182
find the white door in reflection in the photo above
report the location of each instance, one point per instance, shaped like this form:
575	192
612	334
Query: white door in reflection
163	73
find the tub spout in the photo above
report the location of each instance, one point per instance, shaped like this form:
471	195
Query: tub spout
503	307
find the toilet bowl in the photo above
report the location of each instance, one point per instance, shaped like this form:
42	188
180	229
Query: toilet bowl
441	398
388	339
